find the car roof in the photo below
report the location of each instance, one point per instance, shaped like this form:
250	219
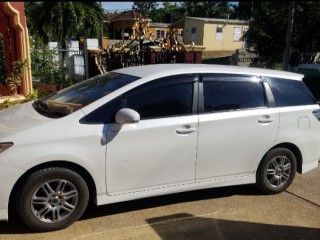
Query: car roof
158	70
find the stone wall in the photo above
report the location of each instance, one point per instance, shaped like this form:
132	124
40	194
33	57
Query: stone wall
245	57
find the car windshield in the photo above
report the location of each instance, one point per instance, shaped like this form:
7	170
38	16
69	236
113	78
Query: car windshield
81	94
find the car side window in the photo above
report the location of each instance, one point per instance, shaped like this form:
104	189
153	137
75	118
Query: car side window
290	92
104	114
168	97
230	95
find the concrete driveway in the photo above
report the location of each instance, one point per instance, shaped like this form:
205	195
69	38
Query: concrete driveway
223	213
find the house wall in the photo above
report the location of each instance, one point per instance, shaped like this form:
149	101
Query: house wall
122	26
206	35
187	32
227	42
153	29
150	31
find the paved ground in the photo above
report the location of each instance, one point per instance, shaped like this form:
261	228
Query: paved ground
219	214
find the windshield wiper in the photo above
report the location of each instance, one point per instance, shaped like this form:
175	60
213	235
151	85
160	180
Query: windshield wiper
45	108
42	106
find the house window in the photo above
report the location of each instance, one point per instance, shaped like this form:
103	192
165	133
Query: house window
160	33
237	34
193	34
219	33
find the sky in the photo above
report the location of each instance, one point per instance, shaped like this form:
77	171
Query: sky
120	6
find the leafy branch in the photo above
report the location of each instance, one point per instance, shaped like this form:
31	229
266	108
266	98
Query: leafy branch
15	78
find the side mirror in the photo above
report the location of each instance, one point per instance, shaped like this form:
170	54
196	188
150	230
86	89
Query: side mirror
127	115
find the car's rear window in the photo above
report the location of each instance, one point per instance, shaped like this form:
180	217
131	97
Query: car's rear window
80	95
289	93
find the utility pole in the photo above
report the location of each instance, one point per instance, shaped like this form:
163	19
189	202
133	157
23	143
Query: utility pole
287	50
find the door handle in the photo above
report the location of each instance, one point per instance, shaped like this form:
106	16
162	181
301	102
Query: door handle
265	119
185	130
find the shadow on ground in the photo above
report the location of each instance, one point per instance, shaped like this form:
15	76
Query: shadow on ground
187	227
15	226
152	202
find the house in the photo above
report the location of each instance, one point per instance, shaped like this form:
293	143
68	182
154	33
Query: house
130	24
123	25
212	33
14	46
159	30
163	30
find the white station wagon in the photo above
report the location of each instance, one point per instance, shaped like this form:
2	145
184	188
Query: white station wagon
153	130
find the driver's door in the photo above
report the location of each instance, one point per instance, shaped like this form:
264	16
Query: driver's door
159	150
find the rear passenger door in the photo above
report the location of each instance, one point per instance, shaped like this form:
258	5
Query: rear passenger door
238	122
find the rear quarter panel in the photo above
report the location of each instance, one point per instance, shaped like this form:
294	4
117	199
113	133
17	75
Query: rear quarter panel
300	127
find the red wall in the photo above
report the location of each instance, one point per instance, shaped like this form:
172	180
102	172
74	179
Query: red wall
14	47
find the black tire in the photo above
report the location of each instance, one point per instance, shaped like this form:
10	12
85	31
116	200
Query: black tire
51	199
276	171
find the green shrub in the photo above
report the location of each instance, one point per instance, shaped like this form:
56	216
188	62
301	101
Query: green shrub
8	103
48	68
15	78
32	96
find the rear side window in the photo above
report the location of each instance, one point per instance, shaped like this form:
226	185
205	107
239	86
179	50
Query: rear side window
229	95
290	92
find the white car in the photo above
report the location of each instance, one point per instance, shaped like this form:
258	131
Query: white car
153	130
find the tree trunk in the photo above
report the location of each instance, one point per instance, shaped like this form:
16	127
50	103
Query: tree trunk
287	51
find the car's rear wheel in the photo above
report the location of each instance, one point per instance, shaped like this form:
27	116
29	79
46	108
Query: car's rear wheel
52	199
276	171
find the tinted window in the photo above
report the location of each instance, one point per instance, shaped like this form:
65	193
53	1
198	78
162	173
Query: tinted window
104	114
228	95
172	96
290	93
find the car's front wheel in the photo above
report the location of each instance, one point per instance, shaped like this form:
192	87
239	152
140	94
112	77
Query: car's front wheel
52	199
276	171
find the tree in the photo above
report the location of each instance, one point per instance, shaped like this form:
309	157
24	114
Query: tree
160	14
170	12
145	8
244	10
56	21
306	33
210	9
287	50
267	32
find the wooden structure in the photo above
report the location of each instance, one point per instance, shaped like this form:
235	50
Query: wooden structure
128	53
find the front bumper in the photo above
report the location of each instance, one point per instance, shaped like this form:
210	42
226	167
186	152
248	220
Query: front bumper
8	177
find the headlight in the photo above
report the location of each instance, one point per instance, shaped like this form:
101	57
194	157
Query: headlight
5	146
